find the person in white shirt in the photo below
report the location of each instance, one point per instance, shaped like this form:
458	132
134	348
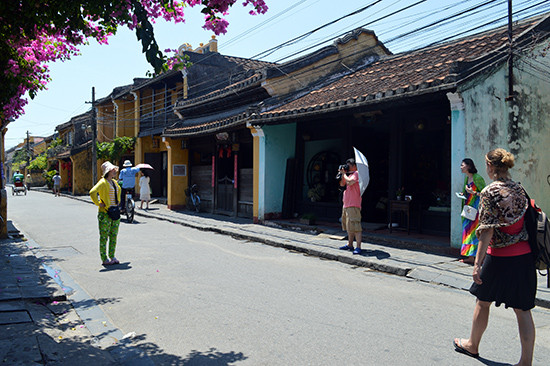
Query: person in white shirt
144	189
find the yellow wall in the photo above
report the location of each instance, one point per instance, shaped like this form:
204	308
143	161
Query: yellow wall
125	117
82	172
136	113
64	173
40	148
348	54
105	122
176	155
176	185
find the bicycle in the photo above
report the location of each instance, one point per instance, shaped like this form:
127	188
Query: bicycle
129	204
194	200
130	207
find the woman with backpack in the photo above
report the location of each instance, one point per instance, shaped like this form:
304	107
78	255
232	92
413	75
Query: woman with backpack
504	269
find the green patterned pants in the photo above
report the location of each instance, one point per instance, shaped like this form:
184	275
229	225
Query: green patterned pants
108	229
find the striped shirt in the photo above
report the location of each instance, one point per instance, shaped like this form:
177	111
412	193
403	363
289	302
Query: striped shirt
112	194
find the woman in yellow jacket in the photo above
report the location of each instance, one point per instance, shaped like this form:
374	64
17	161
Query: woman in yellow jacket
103	195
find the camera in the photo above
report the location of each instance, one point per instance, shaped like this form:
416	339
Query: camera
346	169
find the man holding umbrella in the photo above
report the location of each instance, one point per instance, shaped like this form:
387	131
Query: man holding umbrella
351	211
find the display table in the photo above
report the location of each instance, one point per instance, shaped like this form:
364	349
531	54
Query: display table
403	207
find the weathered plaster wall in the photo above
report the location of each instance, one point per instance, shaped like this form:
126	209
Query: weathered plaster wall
280	142
125	117
522	127
176	184
105	122
63	173
82	172
348	54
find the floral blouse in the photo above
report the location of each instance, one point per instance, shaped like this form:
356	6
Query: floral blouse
503	203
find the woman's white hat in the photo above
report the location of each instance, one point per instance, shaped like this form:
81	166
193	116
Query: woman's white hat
127	163
107	166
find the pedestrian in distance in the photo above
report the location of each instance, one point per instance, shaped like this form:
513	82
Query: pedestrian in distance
56	179
473	185
28	181
144	189
504	268
106	193
351	210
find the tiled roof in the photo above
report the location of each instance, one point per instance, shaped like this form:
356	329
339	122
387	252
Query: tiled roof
250	64
81	118
212	123
422	71
251	81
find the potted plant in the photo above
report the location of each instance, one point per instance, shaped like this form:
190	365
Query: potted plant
308	219
399	193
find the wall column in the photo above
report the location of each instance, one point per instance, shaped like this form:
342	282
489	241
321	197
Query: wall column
176	183
458	153
258	208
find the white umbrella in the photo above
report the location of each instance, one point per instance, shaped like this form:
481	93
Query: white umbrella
363	170
144	166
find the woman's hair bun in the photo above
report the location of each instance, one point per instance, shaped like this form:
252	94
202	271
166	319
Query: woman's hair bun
507	159
500	158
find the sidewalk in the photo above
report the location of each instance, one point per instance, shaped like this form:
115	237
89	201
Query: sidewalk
40	326
422	260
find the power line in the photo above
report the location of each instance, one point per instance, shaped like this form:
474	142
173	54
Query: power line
122	121
307	34
395	38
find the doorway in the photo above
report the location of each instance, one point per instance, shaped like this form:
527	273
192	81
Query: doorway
225	172
159	162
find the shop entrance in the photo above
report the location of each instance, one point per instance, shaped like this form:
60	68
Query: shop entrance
225	175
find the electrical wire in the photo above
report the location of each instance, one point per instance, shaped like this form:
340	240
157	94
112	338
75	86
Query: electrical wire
130	113
307	34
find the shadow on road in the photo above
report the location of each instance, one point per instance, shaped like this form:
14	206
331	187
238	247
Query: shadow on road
210	357
492	363
379	254
116	267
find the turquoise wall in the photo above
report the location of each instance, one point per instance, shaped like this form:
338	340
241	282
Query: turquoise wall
280	145
458	153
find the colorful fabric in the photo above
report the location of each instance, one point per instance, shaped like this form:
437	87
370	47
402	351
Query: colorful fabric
108	230
352	194
519	248
503	203
469	238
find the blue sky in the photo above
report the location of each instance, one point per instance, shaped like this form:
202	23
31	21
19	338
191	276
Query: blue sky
116	64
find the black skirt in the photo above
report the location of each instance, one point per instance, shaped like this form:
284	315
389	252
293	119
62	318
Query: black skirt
511	281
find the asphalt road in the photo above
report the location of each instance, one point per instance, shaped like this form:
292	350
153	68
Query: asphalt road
199	298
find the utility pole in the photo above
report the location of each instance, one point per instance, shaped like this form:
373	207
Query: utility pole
28	149
94	138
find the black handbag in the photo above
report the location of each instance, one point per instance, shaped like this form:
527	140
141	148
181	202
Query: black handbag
114	211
